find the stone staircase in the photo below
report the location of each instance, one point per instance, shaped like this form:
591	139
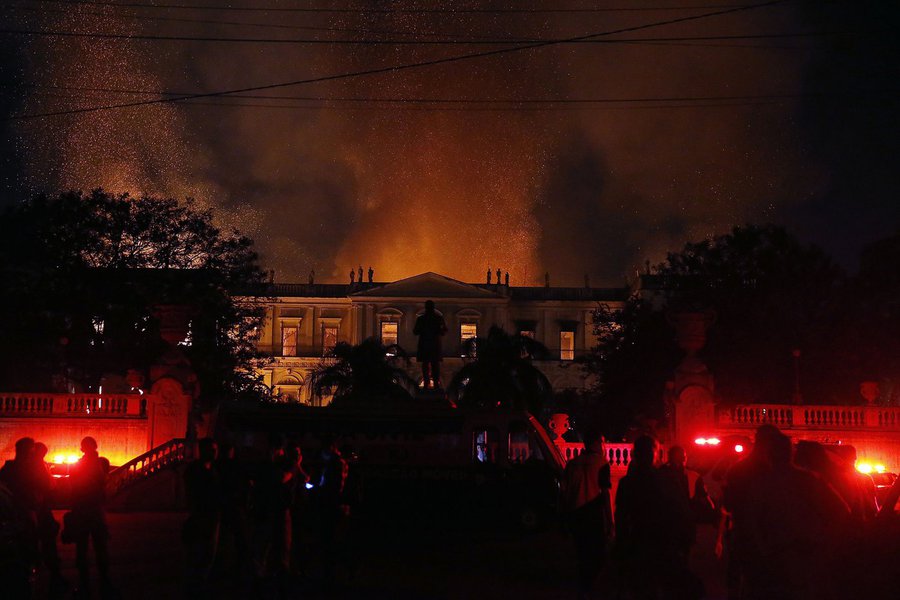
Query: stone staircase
151	481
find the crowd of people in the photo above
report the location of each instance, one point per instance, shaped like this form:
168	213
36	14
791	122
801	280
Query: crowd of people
29	531
246	519
250	518
793	524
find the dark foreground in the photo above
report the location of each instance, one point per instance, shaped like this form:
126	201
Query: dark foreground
424	562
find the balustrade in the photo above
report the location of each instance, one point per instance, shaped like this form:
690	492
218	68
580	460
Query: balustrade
618	455
169	454
73	405
569	450
811	417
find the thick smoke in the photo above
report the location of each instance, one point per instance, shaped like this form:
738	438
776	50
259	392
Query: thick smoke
453	188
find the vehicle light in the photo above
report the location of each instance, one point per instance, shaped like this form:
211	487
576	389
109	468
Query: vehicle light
65	459
713	441
867	467
738	448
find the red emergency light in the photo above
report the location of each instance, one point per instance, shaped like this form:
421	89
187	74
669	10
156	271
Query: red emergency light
868	468
713	441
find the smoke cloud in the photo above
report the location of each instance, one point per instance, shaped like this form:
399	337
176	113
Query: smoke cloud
332	182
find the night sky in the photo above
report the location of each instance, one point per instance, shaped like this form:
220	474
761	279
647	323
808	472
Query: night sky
585	157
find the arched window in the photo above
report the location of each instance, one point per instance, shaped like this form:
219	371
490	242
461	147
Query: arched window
288	388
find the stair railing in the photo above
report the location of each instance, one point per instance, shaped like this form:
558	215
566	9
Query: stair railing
165	455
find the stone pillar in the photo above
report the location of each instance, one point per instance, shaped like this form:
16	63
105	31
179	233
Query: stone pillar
692	389
168	407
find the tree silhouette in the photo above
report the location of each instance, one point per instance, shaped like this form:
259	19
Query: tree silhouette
772	295
84	274
634	357
364	375
502	374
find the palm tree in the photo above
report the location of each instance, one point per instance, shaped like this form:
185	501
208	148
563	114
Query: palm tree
364	374
502	374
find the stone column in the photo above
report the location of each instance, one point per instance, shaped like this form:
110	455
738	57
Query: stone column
692	389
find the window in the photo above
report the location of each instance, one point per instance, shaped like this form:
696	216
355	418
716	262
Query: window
484	444
566	345
389	331
467	331
288	393
289	340
329	339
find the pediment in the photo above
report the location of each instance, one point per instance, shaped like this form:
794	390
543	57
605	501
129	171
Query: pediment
427	285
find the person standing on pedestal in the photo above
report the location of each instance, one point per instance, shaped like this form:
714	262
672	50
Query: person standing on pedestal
430	327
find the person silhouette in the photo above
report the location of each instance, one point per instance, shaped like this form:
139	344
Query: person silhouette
737	509
352	276
430	327
649	530
586	505
200	534
371	274
797	520
86	522
331	505
17	511
47	525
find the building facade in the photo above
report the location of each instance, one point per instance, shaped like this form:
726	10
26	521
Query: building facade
304	321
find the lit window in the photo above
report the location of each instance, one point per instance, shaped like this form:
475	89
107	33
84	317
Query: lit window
329	339
389	330
289	340
468	331
288	393
484	444
567	345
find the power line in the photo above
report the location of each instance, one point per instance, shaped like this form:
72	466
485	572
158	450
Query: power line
393	68
550	106
239	23
454	36
513	101
363	10
445	42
